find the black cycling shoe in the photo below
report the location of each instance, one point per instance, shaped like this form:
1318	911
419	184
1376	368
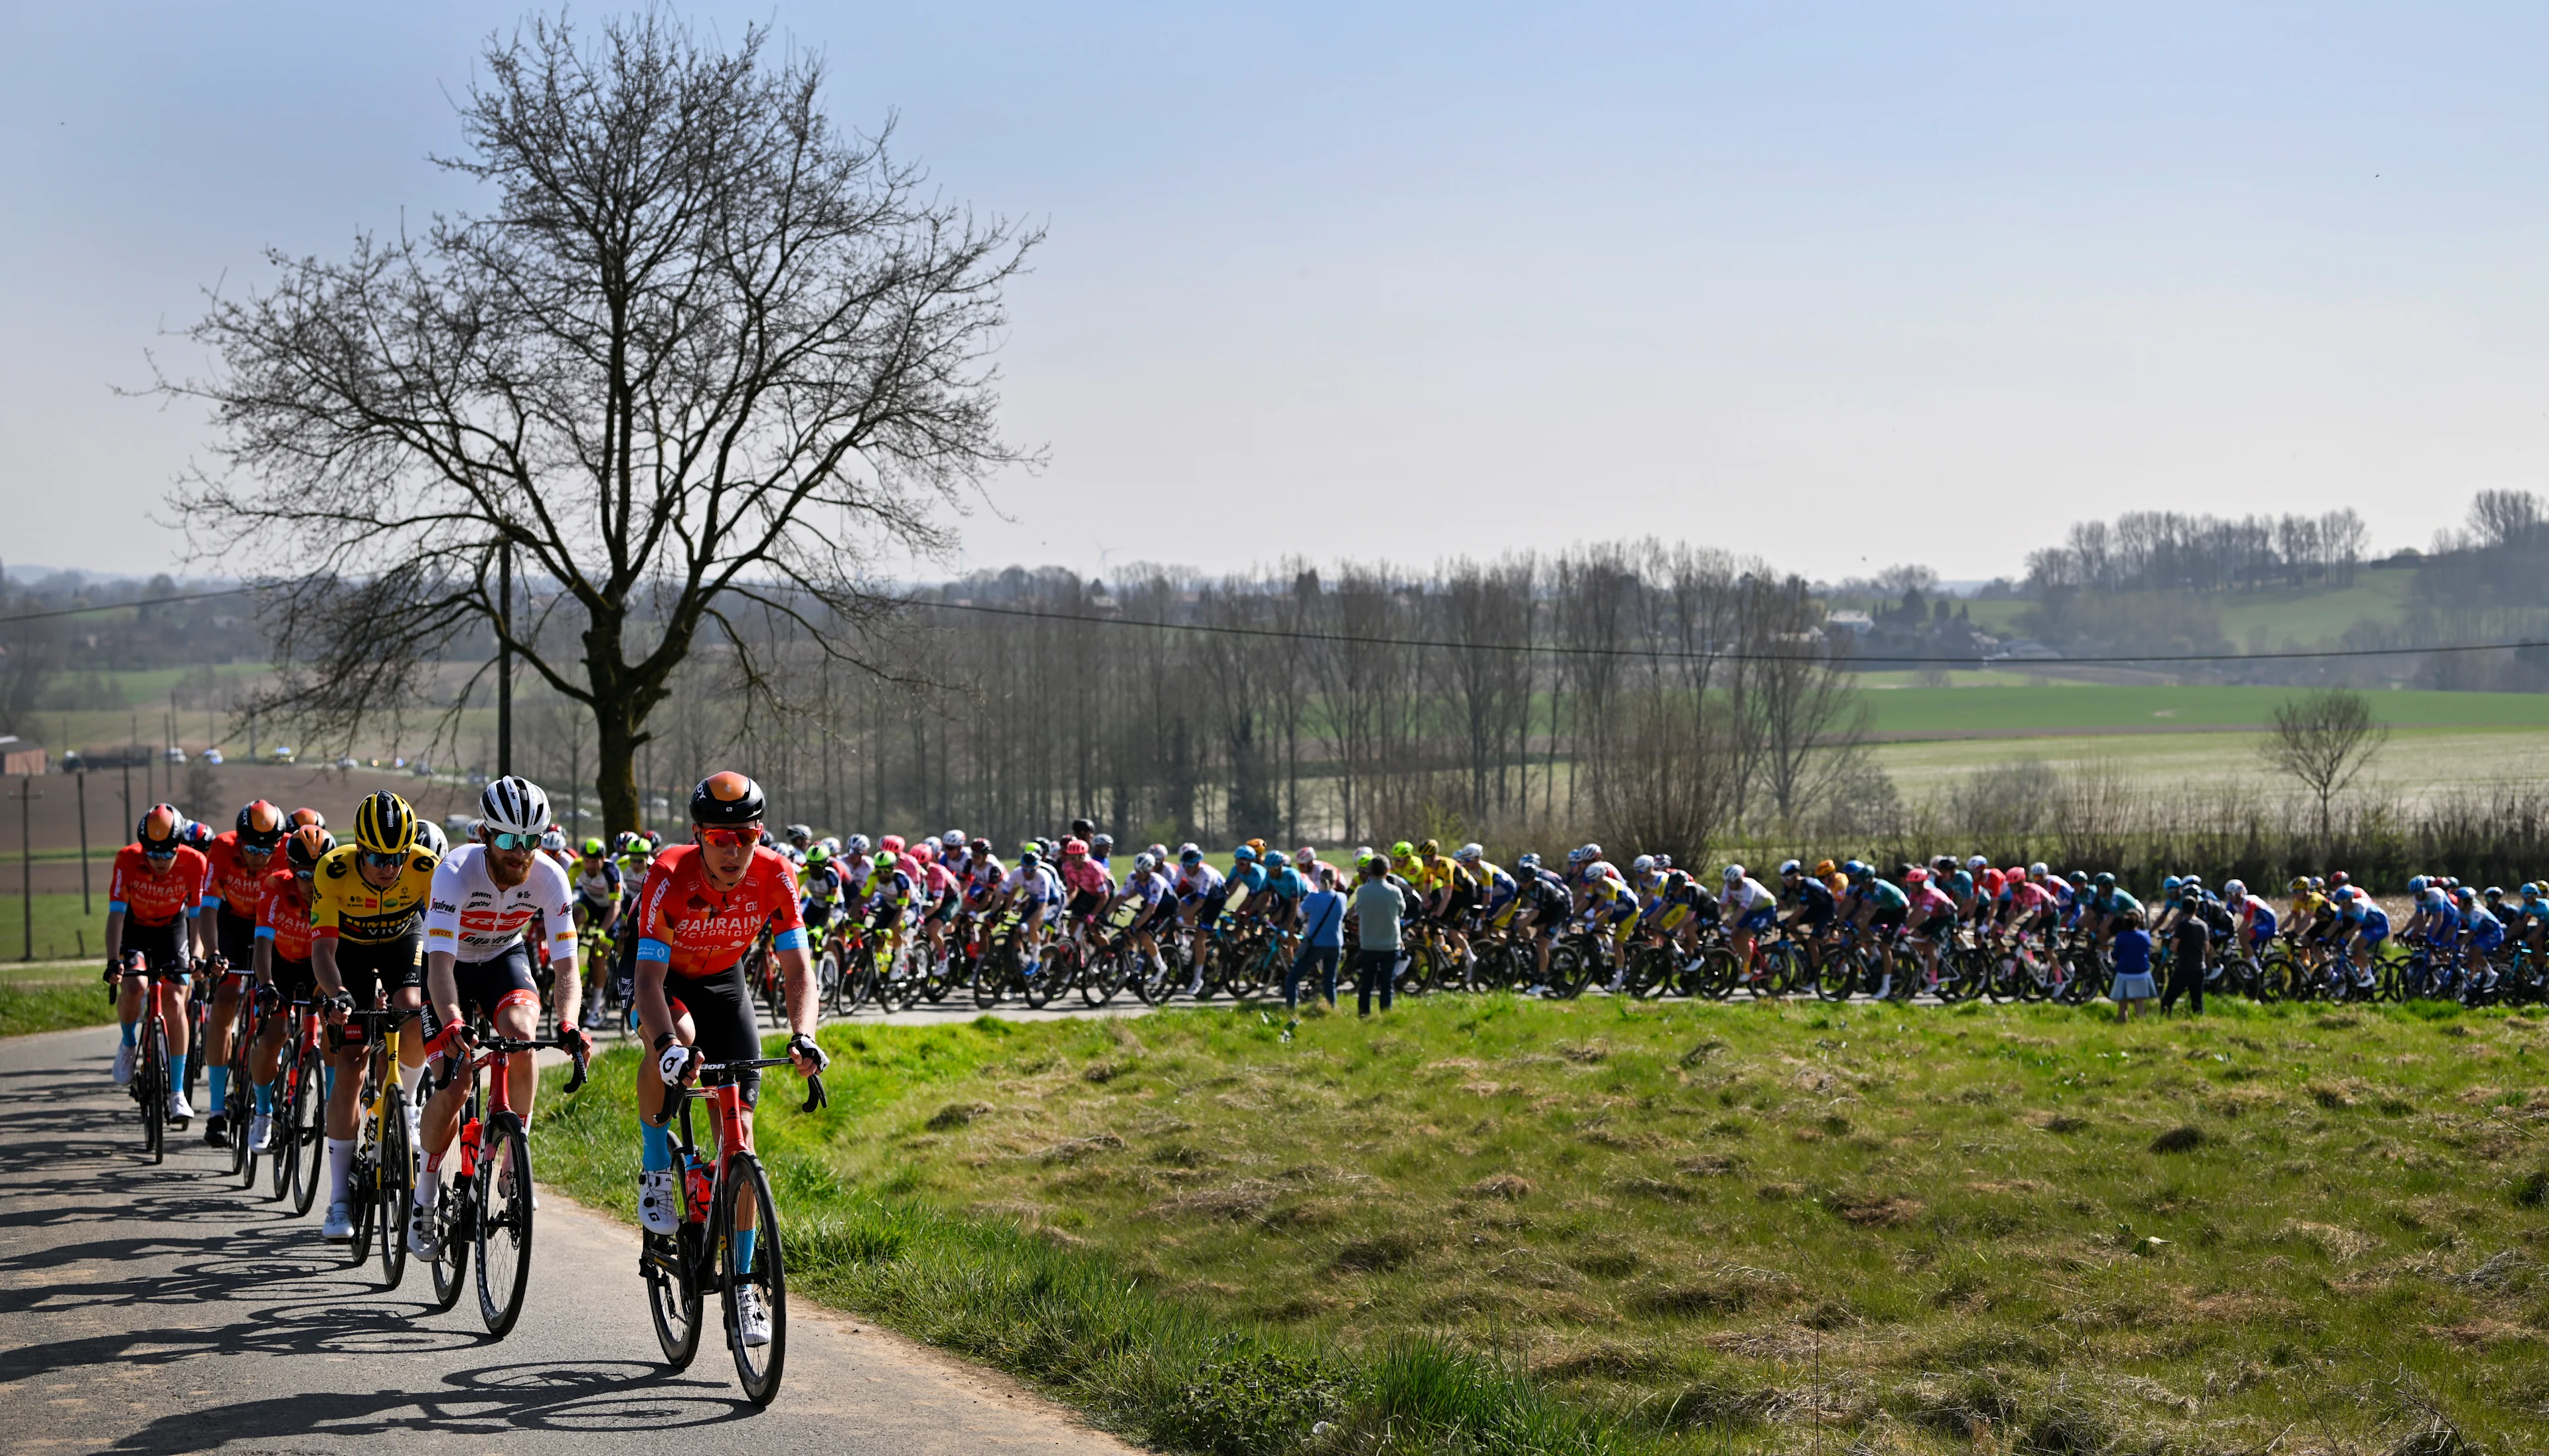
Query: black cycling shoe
216	1130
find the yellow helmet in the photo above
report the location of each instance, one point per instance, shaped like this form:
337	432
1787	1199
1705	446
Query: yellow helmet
384	824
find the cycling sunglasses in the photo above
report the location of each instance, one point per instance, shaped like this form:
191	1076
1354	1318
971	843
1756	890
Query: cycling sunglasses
500	840
379	860
168	854
727	839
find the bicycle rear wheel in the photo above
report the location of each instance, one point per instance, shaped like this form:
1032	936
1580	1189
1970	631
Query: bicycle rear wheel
151	1079
455	1217
503	1194
1041	981
302	1124
746	1205
243	1157
673	1296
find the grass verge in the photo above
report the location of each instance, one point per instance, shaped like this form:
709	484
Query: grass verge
27	1006
1489	1224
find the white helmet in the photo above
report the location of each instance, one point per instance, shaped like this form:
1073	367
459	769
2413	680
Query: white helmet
1978	863
554	841
856	844
430	837
2234	889
1733	873
1470	854
952	841
1644	865
512	805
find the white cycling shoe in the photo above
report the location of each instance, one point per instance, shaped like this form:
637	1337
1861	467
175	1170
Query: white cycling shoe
123	1064
751	1317
179	1110
261	1133
420	1230
338	1226
656	1208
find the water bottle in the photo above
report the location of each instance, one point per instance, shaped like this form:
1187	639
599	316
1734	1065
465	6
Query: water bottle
695	1177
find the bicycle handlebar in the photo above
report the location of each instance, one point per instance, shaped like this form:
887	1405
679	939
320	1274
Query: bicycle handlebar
814	1095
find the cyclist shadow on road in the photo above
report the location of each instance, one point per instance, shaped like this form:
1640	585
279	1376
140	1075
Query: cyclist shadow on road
599	1396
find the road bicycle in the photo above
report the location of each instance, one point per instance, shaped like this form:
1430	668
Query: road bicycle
150	1071
384	1172
298	1160
726	1239
248	1016
485	1205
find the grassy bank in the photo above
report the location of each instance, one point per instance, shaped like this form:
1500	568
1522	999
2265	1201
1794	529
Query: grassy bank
62	932
52	1005
1597	1225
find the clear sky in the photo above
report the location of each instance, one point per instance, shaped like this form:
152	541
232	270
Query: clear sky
1840	284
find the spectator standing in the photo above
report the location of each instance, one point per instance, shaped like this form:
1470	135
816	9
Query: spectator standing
1323	939
2133	951
1378	906
2186	968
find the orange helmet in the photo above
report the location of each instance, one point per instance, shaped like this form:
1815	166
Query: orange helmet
304	847
260	826
305	818
159	828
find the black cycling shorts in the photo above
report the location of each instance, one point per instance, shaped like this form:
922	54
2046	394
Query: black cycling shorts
374	970
1937	928
723	1025
484	984
1888	917
944	909
162	947
1085	903
818	914
235	937
294	980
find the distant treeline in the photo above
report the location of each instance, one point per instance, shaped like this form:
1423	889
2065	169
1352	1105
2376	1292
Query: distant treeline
2163	551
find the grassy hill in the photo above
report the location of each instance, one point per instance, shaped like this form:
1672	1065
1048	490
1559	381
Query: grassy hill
2006	706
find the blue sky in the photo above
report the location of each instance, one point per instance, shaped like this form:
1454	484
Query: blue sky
1838	284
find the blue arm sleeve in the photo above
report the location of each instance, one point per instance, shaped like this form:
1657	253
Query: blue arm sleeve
657	950
117	906
789	940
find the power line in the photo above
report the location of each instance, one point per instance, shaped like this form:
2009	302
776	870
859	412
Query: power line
73	611
1687	655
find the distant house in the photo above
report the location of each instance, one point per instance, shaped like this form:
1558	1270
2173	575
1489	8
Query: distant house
1856	622
21	756
2023	649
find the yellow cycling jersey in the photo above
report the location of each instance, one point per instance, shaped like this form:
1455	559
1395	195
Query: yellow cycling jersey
343	904
1604	887
1442	873
2306	905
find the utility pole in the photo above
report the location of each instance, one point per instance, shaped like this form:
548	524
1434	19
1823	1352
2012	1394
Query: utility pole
27	860
128	820
82	784
504	660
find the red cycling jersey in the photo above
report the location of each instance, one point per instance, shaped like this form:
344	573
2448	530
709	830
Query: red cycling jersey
283	916
148	898
230	884
704	930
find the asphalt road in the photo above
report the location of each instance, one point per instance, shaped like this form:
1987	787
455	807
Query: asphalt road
163	1310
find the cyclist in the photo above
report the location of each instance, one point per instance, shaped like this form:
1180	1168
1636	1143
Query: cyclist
1931	921
887	901
1746	908
154	888
1148	889
821	893
477	960
598	886
367	937
235	865
282	962
1882	909
2362	927
855	859
801	838
1810	908
2482	934
702	906
1089	887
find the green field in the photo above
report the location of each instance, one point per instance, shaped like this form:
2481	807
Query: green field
1497	1225
52	1004
62	933
2053	709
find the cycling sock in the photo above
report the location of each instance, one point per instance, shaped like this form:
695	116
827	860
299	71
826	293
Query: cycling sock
132	1030
340	1167
264	1099
744	1241
221	1076
185	1068
658	1144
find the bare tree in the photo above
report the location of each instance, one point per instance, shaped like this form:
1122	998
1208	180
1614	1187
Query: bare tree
2323	739
706	352
1805	721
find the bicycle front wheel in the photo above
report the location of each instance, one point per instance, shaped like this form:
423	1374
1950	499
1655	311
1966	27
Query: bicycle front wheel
748	1217
396	1175
307	1150
503	1196
243	1157
673	1296
152	1079
455	1216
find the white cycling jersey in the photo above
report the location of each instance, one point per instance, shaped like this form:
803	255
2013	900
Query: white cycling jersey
1036	887
1745	896
468	916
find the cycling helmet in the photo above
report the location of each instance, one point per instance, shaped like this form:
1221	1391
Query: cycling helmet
1526	861
2168	884
197	833
926	851
1402	851
2105	881
1029	857
304	819
1859	872
2492	893
2300	886
512	805
890	844
2531	889
1663	861
1158	853
857	843
2192	882
1644	865
2317	883
162	829
2416	885
1470	854
554	842
2337	876
1916	875
1978	862
1791	866
1082	828
888	862
592	846
1031	847
1101	845
2235	889
1733	873
302	847
1068	847
2036	871
1943	863
1430	849
1305	856
1144	864
1259	845
798	834
384	824
979	847
260	826
1592	852
728	800
1190	854
1243	856
952	841
817	857
429	838
2079	879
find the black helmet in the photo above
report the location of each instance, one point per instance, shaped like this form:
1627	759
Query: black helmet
384	824
260	825
727	799
305	845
